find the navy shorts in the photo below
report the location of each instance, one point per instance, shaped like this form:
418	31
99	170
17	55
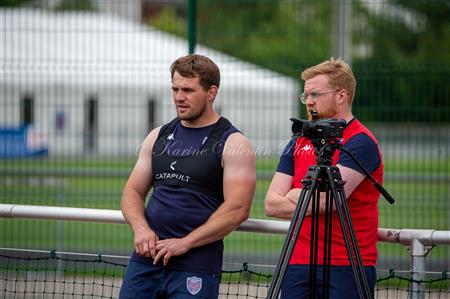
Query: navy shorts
143	280
342	282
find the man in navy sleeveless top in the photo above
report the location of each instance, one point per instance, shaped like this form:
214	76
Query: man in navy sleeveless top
202	171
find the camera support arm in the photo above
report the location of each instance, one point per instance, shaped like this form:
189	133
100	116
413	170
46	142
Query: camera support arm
377	185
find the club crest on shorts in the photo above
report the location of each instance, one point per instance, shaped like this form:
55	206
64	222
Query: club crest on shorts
193	284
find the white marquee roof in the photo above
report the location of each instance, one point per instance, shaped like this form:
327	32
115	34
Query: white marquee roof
42	47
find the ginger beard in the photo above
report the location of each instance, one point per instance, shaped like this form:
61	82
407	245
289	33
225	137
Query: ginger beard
329	112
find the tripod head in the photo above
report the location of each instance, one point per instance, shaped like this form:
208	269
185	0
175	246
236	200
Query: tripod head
324	135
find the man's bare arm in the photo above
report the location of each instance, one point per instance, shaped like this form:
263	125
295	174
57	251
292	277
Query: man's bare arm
278	203
133	198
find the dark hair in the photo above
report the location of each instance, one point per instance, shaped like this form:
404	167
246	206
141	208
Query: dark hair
200	66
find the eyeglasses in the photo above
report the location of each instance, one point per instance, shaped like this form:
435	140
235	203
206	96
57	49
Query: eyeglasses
313	95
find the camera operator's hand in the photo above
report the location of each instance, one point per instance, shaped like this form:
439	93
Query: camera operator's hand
294	194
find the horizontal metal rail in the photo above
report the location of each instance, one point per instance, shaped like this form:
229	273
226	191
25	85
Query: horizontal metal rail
124	173
427	237
115	216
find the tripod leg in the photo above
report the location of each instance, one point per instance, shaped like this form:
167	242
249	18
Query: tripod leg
354	243
314	244
348	230
327	245
309	187
289	244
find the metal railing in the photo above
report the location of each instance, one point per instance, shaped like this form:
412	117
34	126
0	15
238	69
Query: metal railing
419	241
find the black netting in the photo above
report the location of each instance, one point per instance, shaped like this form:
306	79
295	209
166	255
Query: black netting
32	274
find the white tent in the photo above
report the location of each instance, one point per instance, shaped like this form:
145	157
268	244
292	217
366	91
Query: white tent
63	59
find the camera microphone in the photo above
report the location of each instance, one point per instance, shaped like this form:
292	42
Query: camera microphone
314	114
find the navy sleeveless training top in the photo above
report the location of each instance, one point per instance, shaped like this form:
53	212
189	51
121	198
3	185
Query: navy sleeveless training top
187	188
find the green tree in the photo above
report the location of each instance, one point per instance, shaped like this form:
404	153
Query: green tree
284	36
409	69
279	35
406	65
12	3
77	5
169	19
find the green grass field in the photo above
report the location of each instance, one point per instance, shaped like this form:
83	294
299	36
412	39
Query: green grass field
98	183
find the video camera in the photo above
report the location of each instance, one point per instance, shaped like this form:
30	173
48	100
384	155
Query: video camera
319	129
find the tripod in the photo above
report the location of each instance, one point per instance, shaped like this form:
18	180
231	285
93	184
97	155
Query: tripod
324	178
